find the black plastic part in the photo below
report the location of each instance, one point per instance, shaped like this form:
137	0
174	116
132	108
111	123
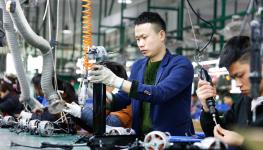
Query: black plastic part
99	109
62	146
210	102
111	141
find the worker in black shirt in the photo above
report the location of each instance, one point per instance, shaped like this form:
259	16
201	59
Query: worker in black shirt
236	58
9	101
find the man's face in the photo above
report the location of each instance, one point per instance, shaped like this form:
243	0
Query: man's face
240	72
148	40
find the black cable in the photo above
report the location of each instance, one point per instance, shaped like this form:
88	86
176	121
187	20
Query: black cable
49	145
16	144
212	34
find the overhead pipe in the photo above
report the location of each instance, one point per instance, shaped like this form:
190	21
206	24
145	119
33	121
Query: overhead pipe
18	17
16	54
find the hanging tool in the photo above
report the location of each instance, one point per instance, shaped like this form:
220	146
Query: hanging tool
203	74
210	102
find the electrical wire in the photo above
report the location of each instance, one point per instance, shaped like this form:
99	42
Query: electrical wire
49	145
45	13
13	144
212	34
190	19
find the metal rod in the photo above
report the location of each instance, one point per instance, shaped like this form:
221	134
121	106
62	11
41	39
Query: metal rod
180	25
236	6
105	26
164	8
222	23
74	28
220	19
62	37
111	6
122	28
148	5
105	8
215	23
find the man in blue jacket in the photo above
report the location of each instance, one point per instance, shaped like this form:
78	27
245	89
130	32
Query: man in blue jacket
159	87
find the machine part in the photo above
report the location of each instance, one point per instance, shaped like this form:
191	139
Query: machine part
211	143
23	123
210	102
97	54
8	121
32	3
45	128
56	105
87	30
1	120
110	141
33	125
99	108
156	140
47	145
84	92
119	131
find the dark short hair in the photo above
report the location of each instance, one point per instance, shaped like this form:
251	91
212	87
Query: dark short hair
236	49
7	83
151	17
65	86
61	85
116	68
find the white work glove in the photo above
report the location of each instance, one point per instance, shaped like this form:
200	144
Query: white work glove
73	109
25	115
101	74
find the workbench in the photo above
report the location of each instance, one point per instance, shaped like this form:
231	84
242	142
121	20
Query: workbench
34	140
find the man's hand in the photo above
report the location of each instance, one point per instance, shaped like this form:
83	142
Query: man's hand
101	74
204	91
73	109
228	137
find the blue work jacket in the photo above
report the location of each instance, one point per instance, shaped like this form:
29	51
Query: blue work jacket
170	97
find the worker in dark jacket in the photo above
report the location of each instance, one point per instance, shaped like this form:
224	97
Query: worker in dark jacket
159	87
9	101
236	58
